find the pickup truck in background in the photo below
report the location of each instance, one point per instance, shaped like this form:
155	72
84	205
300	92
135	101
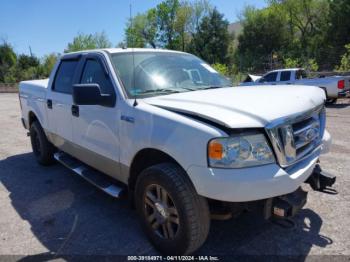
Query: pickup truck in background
334	86
165	129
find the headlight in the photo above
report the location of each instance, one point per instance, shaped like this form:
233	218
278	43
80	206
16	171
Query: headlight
239	151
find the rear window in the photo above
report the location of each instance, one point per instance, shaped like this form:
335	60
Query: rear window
301	74
64	76
285	76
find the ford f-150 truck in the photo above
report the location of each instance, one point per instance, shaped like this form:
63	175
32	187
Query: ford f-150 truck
334	86
165	129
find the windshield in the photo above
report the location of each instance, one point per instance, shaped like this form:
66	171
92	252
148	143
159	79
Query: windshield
159	73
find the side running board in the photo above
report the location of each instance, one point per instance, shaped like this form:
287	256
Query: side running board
98	179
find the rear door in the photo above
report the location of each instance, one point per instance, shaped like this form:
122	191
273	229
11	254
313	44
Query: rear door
59	101
95	127
285	78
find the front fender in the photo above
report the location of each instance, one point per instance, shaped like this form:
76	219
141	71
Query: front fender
181	137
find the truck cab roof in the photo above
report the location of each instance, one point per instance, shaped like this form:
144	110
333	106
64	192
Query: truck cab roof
286	69
119	50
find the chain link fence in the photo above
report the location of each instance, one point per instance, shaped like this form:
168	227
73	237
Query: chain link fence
8	88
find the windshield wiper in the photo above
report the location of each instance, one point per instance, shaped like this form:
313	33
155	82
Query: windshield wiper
188	88
160	90
211	87
173	90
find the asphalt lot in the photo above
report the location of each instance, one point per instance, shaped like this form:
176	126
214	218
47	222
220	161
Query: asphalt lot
47	210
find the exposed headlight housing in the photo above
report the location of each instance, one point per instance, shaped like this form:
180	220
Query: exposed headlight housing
236	151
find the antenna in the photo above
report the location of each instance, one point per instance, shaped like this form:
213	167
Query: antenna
30	51
133	54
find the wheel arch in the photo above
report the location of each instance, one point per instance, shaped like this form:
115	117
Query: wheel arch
32	118
325	91
145	158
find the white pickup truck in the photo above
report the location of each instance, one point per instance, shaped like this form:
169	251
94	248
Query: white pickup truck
166	130
335	86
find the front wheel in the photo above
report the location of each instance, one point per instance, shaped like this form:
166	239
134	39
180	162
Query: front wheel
175	218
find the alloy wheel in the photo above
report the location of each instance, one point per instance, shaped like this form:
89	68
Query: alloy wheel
161	212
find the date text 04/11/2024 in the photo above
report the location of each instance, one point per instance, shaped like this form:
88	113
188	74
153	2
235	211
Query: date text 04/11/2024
173	258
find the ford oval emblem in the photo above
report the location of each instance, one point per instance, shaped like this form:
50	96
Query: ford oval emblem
311	134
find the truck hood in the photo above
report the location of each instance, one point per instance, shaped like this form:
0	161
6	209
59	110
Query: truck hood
243	107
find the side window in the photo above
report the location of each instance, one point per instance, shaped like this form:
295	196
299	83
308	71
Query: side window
64	76
271	77
94	74
285	76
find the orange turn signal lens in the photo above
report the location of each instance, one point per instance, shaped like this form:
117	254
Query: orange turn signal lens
215	150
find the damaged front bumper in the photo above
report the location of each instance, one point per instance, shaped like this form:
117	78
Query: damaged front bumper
277	208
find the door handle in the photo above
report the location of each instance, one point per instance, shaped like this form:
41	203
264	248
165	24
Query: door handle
49	103
75	110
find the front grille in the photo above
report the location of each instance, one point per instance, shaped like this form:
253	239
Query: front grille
295	137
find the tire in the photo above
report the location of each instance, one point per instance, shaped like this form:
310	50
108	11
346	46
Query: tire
331	100
42	148
185	215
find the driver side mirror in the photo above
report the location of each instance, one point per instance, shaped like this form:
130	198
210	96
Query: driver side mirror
90	94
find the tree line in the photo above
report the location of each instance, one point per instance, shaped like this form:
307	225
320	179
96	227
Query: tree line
17	67
309	33
191	26
287	33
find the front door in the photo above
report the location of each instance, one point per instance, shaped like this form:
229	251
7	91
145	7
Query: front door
269	79
95	127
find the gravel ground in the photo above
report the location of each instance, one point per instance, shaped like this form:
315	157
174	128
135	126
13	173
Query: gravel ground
47	210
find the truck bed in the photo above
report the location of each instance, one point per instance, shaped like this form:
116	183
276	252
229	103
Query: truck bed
33	85
32	94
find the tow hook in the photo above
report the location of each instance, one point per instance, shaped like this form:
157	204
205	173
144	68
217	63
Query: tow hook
321	180
281	209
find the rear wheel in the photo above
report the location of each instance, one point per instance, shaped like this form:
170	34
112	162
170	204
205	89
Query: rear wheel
328	99
42	148
332	100
175	218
